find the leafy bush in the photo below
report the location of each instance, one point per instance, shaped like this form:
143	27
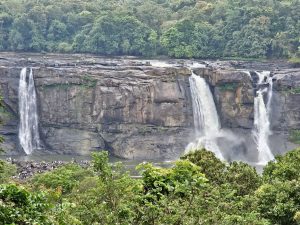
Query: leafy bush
64	47
209	164
238	175
7	170
295	60
284	168
229	86
242	177
107	197
279	202
294	136
198	189
65	177
279	197
293	91
18	206
169	194
177	180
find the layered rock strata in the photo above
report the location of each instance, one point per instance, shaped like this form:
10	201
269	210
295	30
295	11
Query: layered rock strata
135	108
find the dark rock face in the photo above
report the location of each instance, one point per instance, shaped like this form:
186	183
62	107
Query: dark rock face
133	109
120	110
285	108
287	89
234	95
234	92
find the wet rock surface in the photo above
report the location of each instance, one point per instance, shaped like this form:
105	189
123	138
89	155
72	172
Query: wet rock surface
138	108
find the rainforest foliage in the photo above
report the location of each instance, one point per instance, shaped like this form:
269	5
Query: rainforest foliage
177	28
197	189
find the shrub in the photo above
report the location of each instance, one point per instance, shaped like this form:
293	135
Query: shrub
209	164
7	170
284	168
65	177
19	206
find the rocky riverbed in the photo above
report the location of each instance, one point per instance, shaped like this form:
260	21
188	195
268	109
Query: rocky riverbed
27	169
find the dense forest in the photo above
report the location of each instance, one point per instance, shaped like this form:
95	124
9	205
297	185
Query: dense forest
177	28
198	189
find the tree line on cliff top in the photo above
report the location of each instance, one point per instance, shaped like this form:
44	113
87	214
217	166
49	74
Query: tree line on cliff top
177	28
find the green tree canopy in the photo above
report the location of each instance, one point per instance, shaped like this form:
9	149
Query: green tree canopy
177	28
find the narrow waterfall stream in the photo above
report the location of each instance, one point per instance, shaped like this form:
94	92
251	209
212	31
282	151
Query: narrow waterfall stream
206	120
262	110
28	129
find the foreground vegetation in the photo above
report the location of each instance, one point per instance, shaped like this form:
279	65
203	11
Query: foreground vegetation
178	28
198	189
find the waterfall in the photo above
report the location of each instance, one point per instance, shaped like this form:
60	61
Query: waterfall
206	120
28	130
262	112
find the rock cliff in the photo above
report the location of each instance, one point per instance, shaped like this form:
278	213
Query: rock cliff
135	108
234	91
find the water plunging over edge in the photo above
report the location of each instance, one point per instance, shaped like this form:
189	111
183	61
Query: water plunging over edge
28	129
206	120
262	130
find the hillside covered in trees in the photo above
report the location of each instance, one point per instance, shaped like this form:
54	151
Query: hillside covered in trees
177	28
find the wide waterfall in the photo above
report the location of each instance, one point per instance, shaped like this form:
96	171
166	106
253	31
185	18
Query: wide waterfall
28	130
206	120
262	112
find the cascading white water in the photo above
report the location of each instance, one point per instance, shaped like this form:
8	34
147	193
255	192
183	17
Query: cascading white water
206	120
33	112
28	130
262	112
